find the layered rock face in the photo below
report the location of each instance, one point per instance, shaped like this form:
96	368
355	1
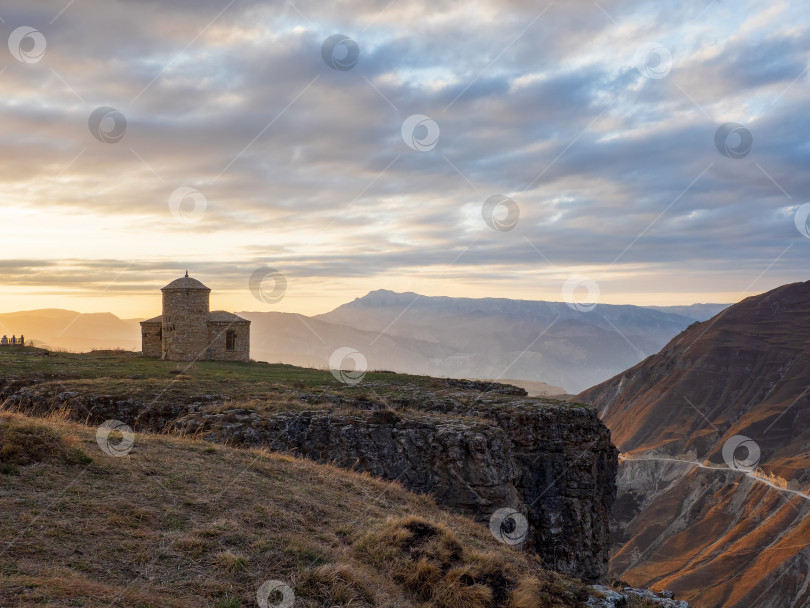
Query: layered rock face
552	463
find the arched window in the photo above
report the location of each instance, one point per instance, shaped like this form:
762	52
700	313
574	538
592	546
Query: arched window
230	340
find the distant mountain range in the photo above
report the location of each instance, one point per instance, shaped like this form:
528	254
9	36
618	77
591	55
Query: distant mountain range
548	343
71	330
522	339
722	536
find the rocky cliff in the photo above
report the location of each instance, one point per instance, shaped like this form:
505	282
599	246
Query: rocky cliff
554	464
476	452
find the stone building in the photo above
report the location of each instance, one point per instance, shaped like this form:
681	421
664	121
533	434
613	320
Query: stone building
188	331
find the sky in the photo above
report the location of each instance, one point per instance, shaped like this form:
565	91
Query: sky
294	156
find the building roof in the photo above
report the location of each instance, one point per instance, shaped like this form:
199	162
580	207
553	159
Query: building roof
217	316
221	316
185	282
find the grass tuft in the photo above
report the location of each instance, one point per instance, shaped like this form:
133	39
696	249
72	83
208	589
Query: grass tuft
431	562
335	585
24	443
8	469
230	561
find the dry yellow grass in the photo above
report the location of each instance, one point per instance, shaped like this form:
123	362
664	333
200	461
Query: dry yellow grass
179	522
433	564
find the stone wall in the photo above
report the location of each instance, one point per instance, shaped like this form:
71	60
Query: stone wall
217	341
152	339
185	331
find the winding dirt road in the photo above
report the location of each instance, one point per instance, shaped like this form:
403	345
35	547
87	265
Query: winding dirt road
718	468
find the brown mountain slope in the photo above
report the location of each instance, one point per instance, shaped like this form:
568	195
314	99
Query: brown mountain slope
711	528
715	537
746	372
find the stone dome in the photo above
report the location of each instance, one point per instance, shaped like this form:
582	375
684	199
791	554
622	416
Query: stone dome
185	282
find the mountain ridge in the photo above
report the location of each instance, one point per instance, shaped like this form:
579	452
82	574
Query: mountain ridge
553	342
729	393
766	335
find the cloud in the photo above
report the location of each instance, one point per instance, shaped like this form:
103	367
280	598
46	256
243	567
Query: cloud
306	166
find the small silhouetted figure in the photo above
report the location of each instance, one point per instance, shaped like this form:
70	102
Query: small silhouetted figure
4	341
13	340
22	340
